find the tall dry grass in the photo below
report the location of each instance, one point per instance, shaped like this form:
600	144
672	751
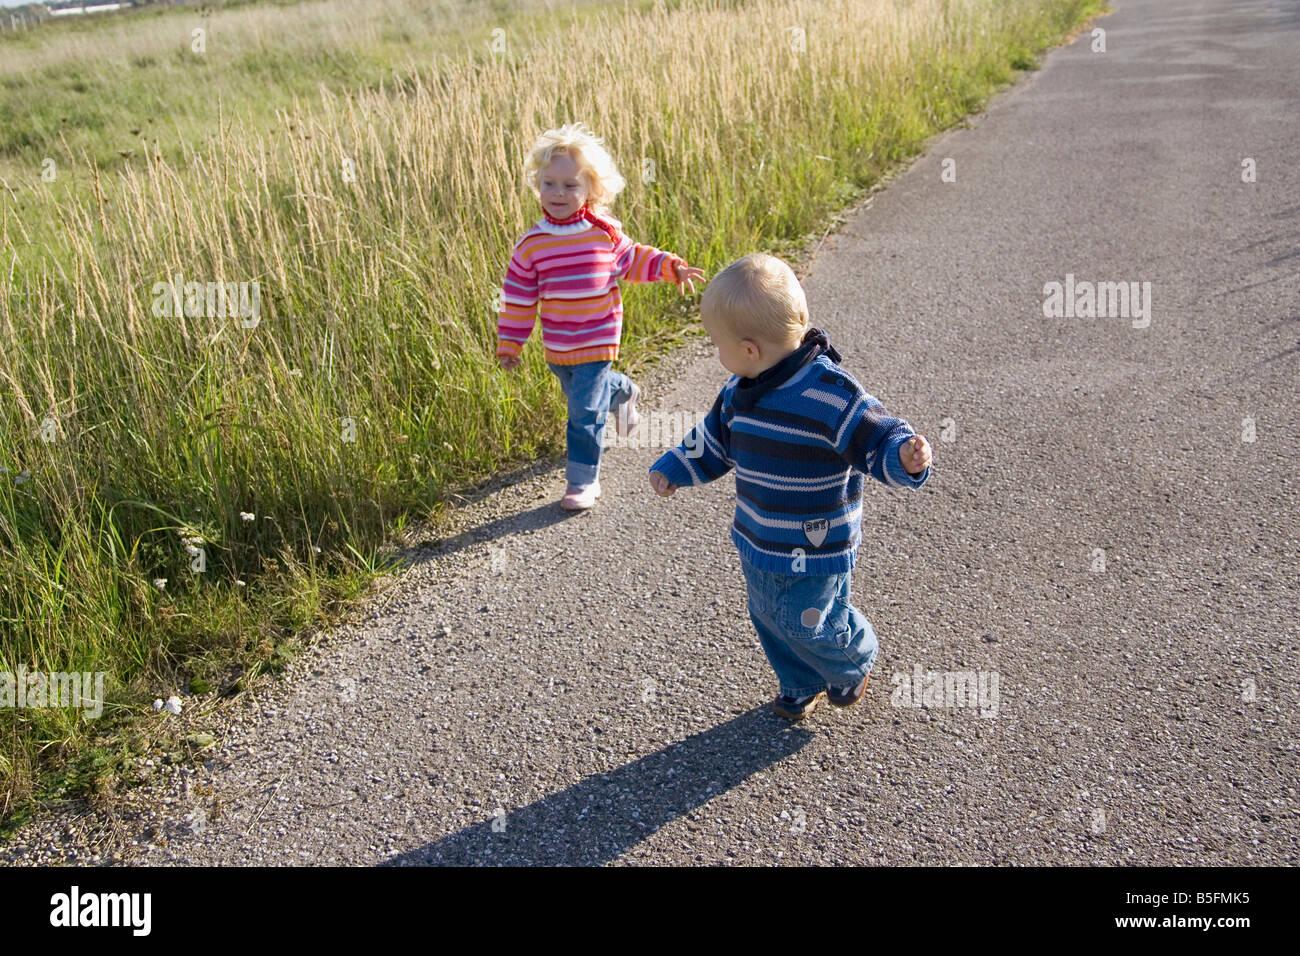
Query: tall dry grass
110	89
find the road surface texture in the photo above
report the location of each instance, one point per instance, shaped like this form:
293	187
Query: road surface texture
1110	532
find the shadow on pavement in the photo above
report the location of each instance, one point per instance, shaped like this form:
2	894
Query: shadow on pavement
534	519
605	815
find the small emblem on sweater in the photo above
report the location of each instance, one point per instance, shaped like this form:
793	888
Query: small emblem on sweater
814	530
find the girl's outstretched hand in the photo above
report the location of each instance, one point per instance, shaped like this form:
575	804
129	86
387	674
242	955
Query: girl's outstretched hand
508	362
686	276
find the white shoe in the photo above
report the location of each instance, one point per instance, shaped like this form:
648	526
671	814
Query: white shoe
580	497
626	421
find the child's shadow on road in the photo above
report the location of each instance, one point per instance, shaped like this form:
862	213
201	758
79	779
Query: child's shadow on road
604	815
534	519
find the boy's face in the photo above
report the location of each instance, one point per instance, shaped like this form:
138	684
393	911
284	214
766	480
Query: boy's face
562	186
744	357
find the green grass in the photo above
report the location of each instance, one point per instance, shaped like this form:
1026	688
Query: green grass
145	83
376	297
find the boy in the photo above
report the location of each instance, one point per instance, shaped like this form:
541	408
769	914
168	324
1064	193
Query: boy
800	433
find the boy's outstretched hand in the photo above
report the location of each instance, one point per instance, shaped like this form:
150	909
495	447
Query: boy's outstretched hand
686	276
660	483
508	362
914	454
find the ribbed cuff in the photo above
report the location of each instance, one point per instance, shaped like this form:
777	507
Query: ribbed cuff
671	468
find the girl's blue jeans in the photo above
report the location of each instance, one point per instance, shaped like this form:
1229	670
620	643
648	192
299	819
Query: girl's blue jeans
593	390
813	636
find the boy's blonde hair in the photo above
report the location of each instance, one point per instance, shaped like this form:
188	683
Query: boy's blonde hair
757	296
594	163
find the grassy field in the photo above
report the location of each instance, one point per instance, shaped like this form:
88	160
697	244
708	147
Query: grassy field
133	82
184	492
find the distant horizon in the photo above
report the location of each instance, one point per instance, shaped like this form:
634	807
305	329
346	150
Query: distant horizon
23	3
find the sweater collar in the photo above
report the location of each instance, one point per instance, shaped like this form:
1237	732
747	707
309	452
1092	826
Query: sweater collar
578	216
580	221
749	390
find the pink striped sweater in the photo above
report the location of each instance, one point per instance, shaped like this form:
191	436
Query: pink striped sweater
570	274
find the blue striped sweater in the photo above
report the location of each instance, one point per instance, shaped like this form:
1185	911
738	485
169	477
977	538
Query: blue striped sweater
800	436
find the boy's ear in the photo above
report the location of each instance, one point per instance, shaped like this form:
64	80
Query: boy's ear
751	348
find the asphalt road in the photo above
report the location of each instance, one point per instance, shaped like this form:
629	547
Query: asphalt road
1103	535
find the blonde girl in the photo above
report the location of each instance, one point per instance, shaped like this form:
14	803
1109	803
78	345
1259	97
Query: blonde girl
566	268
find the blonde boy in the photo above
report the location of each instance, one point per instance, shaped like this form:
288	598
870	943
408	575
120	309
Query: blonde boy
801	434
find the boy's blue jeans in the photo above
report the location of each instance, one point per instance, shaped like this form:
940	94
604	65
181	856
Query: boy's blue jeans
593	390
812	635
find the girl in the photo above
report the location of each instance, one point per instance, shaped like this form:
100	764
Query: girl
569	265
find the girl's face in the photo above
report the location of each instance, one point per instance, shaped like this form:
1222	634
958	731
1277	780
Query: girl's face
562	186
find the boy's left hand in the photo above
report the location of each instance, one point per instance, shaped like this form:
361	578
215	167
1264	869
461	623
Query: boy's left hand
660	483
686	276
914	455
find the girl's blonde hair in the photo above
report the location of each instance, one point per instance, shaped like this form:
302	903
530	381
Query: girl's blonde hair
757	296
594	163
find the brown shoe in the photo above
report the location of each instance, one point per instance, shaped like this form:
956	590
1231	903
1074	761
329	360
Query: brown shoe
846	696
797	708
